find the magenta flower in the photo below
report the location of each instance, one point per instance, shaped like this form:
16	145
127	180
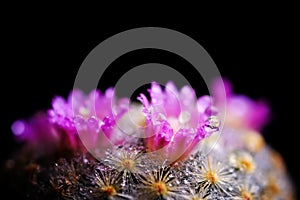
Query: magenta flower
93	117
176	121
79	107
40	136
241	111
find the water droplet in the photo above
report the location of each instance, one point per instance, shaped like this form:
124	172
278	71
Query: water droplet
214	122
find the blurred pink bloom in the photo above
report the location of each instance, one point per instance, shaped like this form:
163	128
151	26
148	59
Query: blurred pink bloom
40	136
241	111
176	121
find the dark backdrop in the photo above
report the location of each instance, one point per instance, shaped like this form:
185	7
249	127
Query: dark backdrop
40	60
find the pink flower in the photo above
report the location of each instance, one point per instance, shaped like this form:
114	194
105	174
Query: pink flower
92	116
176	121
79	106
241	111
40	136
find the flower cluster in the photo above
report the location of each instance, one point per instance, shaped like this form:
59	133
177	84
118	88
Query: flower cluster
173	122
168	147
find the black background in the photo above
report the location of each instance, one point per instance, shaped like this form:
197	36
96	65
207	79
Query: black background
41	58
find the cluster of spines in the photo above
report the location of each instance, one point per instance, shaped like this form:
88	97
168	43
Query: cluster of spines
128	173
